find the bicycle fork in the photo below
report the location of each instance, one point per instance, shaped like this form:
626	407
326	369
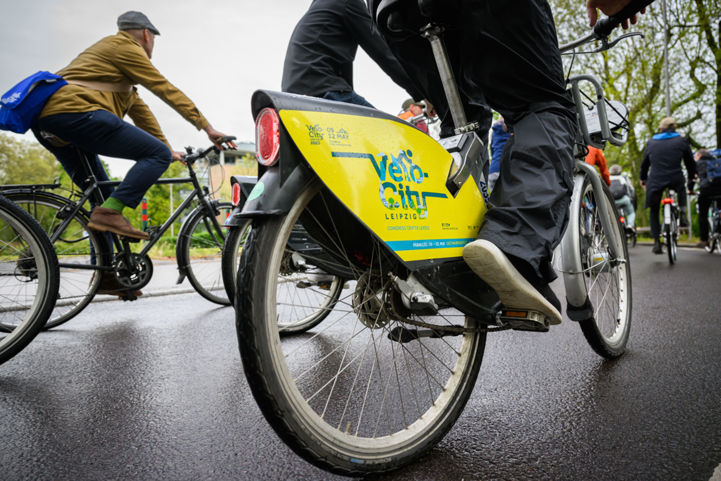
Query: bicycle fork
576	292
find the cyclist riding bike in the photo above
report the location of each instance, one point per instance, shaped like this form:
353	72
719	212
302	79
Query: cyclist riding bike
663	156
709	187
624	195
85	117
504	55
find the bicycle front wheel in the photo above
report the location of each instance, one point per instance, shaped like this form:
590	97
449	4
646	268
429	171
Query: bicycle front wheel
80	251
607	278
29	278
369	391
200	249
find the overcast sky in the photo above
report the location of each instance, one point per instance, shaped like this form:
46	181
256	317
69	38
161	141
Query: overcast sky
217	52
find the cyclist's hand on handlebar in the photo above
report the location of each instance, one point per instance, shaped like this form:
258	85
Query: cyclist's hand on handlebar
216	137
609	7
178	156
430	109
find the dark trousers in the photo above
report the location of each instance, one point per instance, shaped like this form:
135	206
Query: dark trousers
347	97
504	54
100	132
653	202
704	204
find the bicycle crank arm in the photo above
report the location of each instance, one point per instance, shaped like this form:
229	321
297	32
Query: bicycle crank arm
405	335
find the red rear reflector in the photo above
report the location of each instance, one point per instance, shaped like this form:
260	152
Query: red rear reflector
235	195
622	219
667	200
267	137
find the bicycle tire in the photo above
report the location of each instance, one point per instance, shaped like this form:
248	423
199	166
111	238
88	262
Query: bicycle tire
29	278
608	280
711	246
76	249
670	235
315	294
320	415
200	249
232	250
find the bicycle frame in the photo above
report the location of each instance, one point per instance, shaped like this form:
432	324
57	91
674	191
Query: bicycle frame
93	193
669	203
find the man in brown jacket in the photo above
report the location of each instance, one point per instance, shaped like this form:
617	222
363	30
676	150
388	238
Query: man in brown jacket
87	114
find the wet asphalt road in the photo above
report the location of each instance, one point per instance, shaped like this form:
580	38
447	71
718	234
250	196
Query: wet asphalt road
154	390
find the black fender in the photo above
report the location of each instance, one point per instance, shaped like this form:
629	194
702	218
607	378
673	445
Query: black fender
272	195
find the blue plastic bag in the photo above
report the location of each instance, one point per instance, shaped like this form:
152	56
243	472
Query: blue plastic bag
21	105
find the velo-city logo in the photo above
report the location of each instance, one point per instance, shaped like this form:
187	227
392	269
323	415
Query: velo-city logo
400	184
334	136
315	133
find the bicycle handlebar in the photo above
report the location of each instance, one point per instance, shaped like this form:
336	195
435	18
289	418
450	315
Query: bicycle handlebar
191	157
605	26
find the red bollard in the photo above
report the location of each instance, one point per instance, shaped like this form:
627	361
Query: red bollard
144	206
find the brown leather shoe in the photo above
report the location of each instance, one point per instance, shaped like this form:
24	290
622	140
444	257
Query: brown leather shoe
104	219
111	286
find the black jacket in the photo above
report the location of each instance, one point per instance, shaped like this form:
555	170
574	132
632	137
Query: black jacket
323	46
704	185
663	156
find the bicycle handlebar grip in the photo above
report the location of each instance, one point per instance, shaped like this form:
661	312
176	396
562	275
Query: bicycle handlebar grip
605	26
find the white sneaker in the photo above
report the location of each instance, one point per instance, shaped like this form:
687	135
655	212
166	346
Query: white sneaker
491	264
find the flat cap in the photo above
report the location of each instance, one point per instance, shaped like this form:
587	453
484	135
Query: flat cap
667	123
407	103
132	20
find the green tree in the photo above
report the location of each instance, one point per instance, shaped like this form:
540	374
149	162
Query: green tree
633	72
23	162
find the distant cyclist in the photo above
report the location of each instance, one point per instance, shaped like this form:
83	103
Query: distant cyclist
624	195
709	186
87	114
595	157
661	169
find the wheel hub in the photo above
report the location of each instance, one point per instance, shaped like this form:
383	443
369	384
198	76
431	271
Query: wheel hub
25	268
369	301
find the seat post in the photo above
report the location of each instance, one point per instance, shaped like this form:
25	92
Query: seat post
431	33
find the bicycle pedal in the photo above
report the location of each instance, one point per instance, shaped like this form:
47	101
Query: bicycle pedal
523	320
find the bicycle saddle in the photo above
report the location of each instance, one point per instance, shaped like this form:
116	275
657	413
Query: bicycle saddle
401	18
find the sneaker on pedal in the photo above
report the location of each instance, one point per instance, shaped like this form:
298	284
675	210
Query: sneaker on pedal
104	219
515	292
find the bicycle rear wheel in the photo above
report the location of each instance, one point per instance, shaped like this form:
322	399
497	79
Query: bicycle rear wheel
351	398
607	278
200	249
29	278
671	236
80	251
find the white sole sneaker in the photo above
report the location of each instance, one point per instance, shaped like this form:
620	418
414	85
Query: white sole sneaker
491	264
